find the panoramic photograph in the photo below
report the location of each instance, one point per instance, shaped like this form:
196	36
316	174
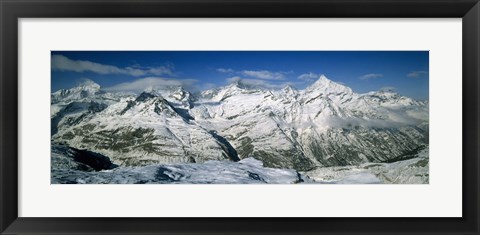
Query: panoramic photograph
239	117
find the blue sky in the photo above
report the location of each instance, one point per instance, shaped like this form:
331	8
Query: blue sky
363	71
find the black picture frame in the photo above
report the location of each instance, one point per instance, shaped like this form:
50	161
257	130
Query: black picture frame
12	10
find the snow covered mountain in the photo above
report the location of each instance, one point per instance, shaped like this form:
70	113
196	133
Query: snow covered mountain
144	130
84	90
324	125
327	124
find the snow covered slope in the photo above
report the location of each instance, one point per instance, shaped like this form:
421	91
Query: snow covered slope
414	170
246	171
73	166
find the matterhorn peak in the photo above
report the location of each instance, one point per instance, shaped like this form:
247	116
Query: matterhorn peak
324	78
325	85
322	81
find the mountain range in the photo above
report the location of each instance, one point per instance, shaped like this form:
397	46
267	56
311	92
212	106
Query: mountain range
323	125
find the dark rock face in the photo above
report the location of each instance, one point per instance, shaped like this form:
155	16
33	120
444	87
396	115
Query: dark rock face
232	153
94	160
255	176
130	104
144	96
162	176
64	157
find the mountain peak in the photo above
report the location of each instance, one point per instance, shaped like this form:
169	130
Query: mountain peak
238	84
325	85
180	94
324	78
288	89
386	90
83	90
145	96
322	81
89	85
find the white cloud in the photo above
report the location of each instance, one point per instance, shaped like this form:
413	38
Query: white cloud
161	70
309	77
370	76
256	74
264	74
234	79
155	83
63	63
416	74
224	70
258	83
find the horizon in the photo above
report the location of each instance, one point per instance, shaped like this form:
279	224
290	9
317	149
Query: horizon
405	72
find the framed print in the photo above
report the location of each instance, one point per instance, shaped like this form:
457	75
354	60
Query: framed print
232	126
239	117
